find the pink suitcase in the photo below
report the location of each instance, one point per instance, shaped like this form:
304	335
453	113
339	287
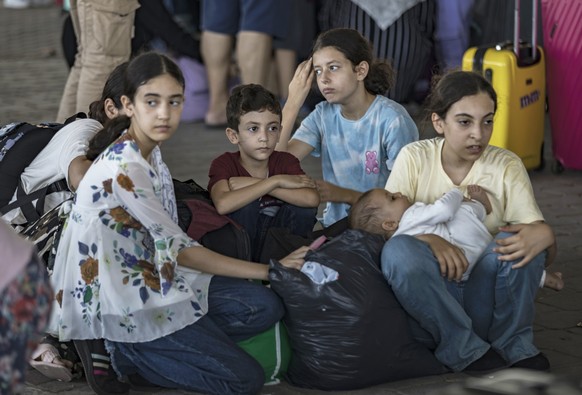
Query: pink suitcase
562	27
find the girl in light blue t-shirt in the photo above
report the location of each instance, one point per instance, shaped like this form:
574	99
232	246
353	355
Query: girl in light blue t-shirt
356	131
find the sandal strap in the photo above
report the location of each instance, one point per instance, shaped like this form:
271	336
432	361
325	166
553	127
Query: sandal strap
45	353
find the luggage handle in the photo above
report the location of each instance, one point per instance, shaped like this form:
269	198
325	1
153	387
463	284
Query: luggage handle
516	29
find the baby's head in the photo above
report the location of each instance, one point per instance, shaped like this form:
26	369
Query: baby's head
378	211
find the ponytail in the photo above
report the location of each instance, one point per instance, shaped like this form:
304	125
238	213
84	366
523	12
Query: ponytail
97	111
380	78
110	132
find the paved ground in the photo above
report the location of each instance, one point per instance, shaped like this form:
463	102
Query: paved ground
32	76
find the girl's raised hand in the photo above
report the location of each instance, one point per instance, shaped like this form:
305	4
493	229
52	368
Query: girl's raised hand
301	83
527	242
298	90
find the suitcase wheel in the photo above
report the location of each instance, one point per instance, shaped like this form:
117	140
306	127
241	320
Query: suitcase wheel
557	167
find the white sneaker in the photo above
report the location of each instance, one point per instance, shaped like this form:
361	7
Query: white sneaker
17	4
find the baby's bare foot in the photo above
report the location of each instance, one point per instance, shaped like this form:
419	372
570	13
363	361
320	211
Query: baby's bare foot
554	281
477	193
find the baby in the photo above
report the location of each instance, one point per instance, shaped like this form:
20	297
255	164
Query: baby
453	217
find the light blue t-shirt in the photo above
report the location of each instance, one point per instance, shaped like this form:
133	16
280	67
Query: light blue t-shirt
356	154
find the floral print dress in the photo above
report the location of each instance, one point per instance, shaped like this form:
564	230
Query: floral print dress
116	274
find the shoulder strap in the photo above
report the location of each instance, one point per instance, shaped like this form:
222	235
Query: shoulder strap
79	115
24	201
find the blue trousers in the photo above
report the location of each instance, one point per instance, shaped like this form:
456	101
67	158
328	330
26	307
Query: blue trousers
461	321
299	220
204	357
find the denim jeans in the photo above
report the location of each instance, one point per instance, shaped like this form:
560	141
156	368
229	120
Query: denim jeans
299	220
204	357
501	302
461	321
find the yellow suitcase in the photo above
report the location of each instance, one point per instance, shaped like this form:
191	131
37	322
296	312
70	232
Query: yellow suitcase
517	72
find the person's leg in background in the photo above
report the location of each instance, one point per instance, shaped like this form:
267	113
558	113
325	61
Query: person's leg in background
285	63
296	46
253	53
69	41
69	98
452	32
261	21
219	26
104	30
110	23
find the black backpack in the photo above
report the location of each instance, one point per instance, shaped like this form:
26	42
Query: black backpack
198	217
20	143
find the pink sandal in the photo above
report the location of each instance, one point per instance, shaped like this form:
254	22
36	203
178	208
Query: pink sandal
46	360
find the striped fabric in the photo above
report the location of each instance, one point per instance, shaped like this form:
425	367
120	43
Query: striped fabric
406	44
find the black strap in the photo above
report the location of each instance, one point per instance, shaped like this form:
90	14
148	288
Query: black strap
478	59
79	115
24	201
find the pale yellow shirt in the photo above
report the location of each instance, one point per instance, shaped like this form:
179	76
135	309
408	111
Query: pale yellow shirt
418	174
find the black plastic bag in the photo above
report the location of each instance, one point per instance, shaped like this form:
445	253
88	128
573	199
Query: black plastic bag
352	332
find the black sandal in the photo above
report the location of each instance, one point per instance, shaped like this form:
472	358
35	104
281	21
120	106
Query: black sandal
98	370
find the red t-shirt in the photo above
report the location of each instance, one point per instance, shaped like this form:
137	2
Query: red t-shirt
228	165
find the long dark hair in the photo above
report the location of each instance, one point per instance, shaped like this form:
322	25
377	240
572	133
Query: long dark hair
113	90
139	71
356	48
452	87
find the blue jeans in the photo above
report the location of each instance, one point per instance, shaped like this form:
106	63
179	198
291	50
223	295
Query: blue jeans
501	302
204	357
461	321
299	220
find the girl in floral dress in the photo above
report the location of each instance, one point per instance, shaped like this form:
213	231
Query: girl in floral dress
125	272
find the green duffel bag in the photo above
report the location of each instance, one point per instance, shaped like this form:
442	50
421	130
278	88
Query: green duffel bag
272	350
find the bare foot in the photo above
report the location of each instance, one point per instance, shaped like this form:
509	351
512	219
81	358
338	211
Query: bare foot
477	193
554	281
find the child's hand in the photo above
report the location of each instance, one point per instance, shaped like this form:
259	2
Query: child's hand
296	259
329	192
288	181
300	85
452	260
527	242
